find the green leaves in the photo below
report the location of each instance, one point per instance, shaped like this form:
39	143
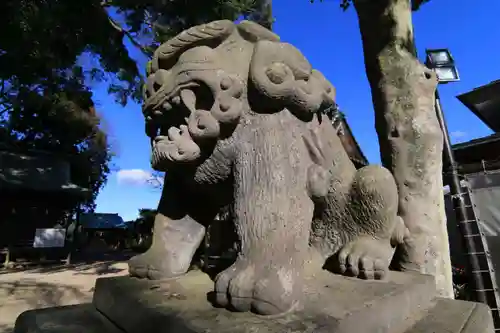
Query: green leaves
45	100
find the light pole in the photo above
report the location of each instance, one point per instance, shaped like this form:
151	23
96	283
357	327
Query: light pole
441	61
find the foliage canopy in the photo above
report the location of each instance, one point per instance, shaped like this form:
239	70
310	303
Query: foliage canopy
48	50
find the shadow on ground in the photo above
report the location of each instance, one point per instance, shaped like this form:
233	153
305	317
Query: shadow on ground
36	294
100	264
28	294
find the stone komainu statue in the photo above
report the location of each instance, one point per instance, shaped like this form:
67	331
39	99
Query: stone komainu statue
235	116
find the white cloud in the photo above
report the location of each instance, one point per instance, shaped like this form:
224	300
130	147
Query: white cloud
133	176
458	134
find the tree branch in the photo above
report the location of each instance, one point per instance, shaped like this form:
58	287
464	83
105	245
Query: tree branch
121	30
156	180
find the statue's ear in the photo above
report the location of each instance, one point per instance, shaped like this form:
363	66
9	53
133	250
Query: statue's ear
283	78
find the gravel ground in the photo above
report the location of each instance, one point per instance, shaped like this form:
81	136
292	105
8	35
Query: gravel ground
40	287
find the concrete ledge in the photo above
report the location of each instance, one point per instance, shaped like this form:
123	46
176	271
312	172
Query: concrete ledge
333	304
403	304
456	317
83	318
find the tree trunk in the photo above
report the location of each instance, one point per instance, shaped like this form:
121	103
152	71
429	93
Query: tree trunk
411	140
265	14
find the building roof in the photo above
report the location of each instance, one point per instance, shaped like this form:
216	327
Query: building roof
348	140
102	221
478	154
475	143
484	102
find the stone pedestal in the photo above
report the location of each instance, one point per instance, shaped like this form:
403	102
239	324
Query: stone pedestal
404	303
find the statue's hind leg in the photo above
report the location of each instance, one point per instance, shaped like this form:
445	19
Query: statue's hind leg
372	210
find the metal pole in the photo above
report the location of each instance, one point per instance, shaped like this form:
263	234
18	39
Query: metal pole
463	219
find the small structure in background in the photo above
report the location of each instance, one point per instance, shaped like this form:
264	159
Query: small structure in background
348	140
481	154
478	162
102	231
102	221
36	193
484	102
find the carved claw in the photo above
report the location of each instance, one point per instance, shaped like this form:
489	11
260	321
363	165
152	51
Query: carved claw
248	285
401	233
366	258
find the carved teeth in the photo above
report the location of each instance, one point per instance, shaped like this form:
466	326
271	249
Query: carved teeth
174	133
176	100
160	138
188	97
167	106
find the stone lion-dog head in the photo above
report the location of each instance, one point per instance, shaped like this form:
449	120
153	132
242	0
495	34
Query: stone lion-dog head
202	83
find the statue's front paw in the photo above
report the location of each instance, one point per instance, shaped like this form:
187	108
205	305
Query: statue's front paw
157	264
234	286
153	265
366	258
247	286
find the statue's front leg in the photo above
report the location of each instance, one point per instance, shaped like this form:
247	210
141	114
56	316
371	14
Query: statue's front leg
176	237
273	215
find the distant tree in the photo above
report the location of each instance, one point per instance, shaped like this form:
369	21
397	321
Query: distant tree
409	133
141	233
146	217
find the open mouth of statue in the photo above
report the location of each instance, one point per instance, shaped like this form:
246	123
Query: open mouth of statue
188	106
184	123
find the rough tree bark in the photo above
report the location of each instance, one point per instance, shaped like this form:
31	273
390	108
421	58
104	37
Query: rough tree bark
410	137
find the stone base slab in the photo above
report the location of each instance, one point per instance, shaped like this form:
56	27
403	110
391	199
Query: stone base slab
82	318
332	304
404	303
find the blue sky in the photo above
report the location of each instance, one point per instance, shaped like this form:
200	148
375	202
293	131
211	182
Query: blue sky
331	41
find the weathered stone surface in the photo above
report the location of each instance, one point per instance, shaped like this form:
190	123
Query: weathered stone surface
83	318
237	117
332	304
450	316
402	304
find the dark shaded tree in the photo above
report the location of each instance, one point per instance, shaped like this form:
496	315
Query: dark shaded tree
44	35
141	232
59	117
45	100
